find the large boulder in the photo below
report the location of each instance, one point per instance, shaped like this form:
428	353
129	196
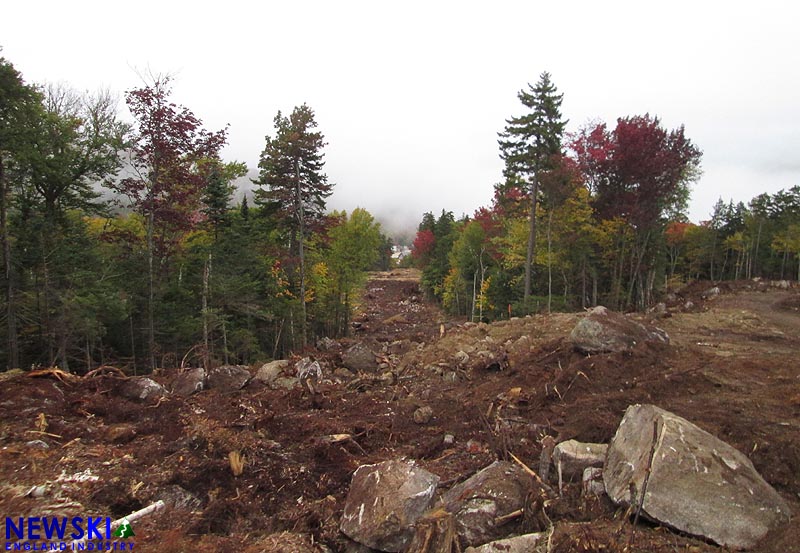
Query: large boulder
477	503
228	378
189	382
384	502
607	331
269	372
142	388
698	484
359	357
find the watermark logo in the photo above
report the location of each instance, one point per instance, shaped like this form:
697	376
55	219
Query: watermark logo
124	530
67	534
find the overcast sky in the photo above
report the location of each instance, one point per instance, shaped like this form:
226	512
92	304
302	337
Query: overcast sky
410	95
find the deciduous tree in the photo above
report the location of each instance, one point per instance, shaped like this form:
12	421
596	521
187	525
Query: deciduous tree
166	186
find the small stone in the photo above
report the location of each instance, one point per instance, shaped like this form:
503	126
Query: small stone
423	415
518	544
285	382
474	446
461	358
37	444
449	439
593	481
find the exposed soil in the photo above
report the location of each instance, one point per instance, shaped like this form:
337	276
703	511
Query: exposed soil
731	369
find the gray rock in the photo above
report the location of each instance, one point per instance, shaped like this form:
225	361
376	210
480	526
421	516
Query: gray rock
343	373
189	382
698	484
351	546
497	490
384	502
606	331
327	344
518	544
359	358
179	498
285	382
228	378
423	415
572	457
461	358
308	368
142	388
37	444
592	481
271	371
711	292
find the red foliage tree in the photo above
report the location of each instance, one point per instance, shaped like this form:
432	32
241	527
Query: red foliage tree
166	187
423	246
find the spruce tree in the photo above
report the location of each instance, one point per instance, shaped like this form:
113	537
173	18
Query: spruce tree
292	181
528	145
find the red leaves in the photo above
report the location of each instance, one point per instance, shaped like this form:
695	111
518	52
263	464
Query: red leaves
169	143
638	171
423	245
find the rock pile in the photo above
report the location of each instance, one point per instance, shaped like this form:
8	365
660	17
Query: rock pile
674	472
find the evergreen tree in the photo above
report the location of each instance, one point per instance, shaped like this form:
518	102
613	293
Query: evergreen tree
528	144
219	190
20	106
291	180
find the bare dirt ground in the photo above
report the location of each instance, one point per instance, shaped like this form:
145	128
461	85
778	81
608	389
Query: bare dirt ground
732	368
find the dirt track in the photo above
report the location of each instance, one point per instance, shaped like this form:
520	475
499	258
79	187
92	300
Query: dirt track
732	369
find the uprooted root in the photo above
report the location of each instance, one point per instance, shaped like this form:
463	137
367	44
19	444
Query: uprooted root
435	533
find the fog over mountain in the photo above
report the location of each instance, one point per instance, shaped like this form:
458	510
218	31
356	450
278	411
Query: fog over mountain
410	96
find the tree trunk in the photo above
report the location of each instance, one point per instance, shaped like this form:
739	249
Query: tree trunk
531	239
133	347
225	341
549	262
11	316
206	276
472	311
300	218
151	333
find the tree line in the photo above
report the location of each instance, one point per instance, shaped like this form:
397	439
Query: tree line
121	242
596	216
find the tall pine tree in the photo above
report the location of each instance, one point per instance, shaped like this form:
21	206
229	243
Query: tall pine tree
291	180
528	145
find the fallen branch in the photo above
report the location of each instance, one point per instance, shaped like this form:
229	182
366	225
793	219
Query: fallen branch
531	472
510	516
44	433
54	372
106	370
